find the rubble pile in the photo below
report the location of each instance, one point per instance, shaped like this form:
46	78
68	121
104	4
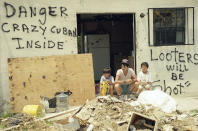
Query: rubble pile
20	122
106	113
110	114
16	119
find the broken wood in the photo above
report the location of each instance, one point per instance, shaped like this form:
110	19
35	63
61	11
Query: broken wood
34	76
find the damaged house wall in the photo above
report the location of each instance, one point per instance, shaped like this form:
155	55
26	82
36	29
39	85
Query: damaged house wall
176	74
34	28
48	14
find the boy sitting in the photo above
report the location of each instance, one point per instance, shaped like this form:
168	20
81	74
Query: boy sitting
144	78
106	82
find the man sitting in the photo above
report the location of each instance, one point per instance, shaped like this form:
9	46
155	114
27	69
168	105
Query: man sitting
125	77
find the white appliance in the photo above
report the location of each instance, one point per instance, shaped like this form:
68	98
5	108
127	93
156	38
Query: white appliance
99	46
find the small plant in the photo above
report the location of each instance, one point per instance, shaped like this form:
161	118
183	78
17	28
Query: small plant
40	114
194	112
49	122
6	115
2	126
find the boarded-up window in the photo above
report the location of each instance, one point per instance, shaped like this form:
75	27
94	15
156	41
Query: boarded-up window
171	26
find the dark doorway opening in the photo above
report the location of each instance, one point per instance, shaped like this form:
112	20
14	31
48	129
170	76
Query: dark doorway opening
109	37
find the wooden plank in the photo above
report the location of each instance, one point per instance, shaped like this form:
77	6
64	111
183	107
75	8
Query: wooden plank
31	77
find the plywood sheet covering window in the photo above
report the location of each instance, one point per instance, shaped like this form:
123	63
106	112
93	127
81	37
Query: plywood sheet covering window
31	77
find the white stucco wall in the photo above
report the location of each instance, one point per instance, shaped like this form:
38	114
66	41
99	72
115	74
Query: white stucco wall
65	42
157	68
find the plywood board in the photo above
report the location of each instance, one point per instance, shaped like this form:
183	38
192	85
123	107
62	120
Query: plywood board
31	77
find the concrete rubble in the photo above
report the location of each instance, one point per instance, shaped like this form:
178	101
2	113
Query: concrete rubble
106	113
110	114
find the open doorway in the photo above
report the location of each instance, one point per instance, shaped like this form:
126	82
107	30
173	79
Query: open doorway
109	37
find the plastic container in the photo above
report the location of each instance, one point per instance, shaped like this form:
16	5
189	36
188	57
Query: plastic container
62	103
33	110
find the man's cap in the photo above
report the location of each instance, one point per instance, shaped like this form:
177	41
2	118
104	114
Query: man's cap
125	61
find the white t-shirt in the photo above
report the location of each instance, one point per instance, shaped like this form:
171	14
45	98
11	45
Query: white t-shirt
130	73
102	79
144	77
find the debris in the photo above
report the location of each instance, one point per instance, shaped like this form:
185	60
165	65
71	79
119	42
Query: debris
90	128
16	119
106	113
62	102
159	99
168	128
142	122
34	110
71	125
109	113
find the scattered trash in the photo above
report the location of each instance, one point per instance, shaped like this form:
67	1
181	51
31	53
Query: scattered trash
111	114
71	124
106	113
142	122
33	110
159	99
90	128
56	104
62	102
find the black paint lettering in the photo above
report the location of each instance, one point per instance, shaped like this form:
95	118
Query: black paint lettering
175	54
18	41
22	10
166	88
151	51
52	11
29	44
33	11
44	43
196	59
25	28
63	11
51	44
3	28
168	56
175	90
58	30
180	87
70	32
181	56
187	83
37	45
161	56
60	45
185	68
13	10
177	67
170	67
75	32
180	68
174	76
181	76
43	29
16	27
34	28
43	12
189	56
52	29
64	30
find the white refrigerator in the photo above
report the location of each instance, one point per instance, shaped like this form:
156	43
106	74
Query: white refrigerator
99	46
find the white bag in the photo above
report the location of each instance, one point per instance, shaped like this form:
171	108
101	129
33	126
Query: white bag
159	99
